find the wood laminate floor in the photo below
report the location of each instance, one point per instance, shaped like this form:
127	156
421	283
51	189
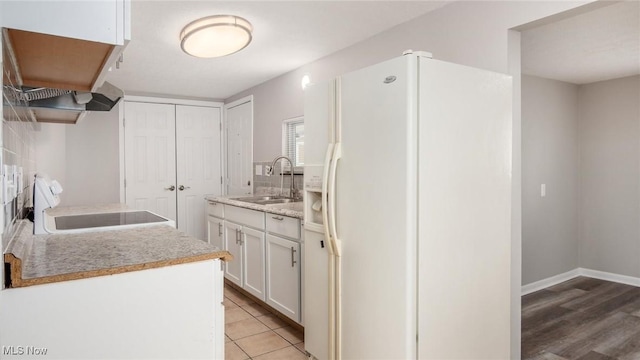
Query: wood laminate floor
582	319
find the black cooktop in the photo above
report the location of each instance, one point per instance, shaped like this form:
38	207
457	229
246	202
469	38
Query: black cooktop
73	222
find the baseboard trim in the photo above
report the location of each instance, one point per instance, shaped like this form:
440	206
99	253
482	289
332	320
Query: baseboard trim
595	274
550	281
622	279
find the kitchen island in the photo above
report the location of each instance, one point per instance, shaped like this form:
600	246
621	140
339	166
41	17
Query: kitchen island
143	293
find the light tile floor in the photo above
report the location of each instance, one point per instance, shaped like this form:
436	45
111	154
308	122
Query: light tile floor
252	332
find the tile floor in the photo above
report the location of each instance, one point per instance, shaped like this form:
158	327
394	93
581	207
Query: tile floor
252	332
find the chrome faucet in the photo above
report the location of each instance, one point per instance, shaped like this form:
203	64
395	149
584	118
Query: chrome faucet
292	190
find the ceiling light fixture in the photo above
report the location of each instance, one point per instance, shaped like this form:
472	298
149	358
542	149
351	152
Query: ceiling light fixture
215	36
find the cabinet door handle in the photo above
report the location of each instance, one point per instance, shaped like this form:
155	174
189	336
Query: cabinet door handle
182	187
219	229
213	203
170	188
237	237
293	257
279	218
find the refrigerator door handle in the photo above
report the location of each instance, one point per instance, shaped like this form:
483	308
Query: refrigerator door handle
325	196
333	232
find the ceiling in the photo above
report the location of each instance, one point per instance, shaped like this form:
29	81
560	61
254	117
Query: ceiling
287	35
599	45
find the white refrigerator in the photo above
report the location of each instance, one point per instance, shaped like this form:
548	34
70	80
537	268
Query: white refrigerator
408	213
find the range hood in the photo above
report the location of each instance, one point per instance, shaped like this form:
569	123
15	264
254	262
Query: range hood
67	106
59	79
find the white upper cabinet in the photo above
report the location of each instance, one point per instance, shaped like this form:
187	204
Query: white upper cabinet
105	21
66	44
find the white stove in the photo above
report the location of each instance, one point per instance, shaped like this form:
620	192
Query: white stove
46	196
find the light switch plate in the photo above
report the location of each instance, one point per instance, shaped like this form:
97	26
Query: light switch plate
258	169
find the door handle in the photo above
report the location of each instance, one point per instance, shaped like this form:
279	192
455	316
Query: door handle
325	196
219	229
333	232
170	188
293	256
182	187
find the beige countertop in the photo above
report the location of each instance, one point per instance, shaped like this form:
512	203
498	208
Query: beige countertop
294	209
41	259
89	209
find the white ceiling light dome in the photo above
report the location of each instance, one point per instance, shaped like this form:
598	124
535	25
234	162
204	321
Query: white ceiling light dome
216	36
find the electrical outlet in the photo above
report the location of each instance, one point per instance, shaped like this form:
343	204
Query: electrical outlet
268	169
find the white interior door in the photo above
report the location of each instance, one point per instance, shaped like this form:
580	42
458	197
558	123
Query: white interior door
198	165
239	148
150	162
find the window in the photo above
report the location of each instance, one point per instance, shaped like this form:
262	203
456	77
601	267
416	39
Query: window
293	141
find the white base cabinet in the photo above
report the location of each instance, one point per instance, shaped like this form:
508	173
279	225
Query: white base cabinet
215	224
284	287
267	254
283	276
215	231
247	245
253	243
233	269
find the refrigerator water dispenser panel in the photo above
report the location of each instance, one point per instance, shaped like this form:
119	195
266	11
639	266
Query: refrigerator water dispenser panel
313	210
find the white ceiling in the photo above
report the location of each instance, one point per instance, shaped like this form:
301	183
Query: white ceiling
287	35
594	46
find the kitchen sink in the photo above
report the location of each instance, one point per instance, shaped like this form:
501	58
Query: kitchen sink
267	200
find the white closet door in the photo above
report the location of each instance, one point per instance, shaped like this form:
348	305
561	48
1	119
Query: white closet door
198	165
240	148
150	161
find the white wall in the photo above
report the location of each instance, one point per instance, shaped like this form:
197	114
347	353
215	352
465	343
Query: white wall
51	150
609	133
584	143
465	32
83	157
550	157
92	155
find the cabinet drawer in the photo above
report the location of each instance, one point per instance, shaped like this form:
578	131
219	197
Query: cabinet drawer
251	218
283	225
215	209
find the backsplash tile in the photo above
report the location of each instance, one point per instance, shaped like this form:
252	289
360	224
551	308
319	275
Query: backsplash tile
264	184
18	148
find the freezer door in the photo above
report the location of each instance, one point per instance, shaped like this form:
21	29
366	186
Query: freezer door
376	211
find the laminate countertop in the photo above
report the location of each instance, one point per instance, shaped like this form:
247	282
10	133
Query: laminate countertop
48	258
293	209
